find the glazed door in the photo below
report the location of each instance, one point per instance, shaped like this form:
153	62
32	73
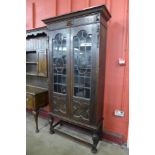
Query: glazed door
83	72
59	71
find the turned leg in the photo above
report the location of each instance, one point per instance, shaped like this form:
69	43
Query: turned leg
36	113
95	139
100	131
51	121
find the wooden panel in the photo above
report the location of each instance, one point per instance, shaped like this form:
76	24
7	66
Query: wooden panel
36	97
39	81
31	69
90	19
59	104
31	62
42	63
41	99
101	74
29	101
31	56
81	110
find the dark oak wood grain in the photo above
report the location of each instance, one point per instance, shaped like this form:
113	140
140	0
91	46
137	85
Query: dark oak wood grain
76	68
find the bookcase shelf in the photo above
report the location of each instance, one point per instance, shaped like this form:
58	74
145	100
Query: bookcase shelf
33	74
31	62
36	61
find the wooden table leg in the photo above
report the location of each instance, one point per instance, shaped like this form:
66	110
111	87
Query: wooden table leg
36	113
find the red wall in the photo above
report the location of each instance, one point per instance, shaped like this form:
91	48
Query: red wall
116	86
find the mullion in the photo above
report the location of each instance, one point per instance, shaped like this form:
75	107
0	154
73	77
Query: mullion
57	83
84	73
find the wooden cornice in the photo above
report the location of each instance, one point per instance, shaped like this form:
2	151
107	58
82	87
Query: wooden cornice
91	10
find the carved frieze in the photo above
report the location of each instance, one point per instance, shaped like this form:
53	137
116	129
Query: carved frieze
81	110
59	104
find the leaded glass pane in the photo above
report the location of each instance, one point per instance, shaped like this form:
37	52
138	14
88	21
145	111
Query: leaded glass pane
59	63
82	44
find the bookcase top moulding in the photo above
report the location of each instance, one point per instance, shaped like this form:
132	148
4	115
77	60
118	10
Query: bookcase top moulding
91	10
